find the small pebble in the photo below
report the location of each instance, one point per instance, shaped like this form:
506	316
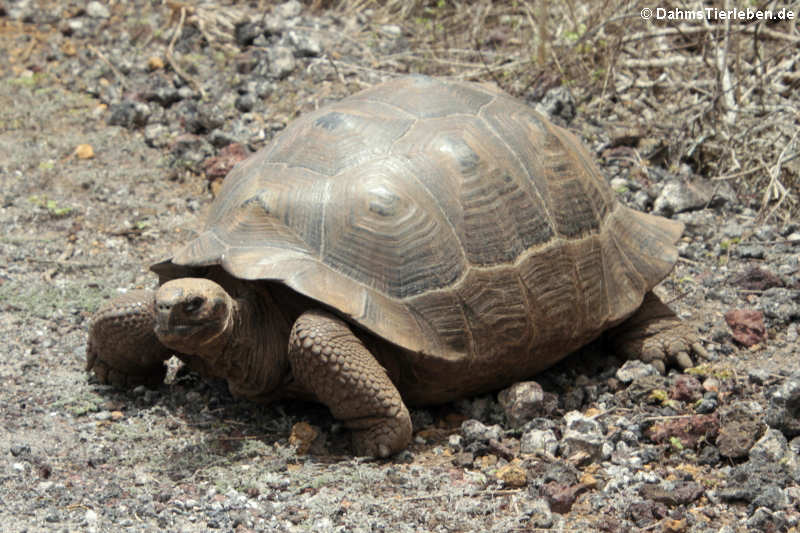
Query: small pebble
97	10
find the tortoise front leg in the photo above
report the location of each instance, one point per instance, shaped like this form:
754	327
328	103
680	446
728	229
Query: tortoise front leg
123	349
334	365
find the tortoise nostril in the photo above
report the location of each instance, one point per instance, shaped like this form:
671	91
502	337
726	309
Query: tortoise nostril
193	305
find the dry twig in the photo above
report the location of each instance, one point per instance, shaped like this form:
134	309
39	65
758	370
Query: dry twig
121	78
775	190
171	59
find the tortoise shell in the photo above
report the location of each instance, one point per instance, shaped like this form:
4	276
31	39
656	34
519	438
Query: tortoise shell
448	218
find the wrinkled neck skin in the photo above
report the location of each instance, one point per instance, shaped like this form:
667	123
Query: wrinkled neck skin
251	353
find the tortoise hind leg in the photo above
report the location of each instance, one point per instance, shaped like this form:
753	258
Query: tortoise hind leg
329	361
655	335
123	349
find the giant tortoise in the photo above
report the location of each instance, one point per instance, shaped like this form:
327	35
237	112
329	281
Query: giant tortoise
416	242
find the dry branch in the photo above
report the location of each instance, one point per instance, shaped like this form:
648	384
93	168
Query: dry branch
171	59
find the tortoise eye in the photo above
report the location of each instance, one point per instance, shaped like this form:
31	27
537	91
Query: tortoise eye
193	305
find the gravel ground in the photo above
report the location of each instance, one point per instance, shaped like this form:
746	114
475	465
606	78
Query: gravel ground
114	136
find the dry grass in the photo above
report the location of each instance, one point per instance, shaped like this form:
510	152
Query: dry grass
717	96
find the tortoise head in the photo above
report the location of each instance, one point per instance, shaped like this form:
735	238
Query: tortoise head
193	315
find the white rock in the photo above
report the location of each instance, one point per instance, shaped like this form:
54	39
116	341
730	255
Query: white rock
539	441
290	9
97	10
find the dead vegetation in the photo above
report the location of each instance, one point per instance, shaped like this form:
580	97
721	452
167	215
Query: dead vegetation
716	99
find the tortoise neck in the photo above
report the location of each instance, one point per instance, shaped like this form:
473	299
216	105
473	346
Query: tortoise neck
253	358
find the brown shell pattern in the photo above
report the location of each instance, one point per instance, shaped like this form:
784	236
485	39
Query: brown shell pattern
446	217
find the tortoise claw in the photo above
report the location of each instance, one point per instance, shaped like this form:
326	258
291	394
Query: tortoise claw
699	350
683	360
659	365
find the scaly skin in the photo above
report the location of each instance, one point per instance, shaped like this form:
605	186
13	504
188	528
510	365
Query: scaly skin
655	335
123	349
332	363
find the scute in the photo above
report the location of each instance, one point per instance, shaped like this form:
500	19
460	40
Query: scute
446	217
385	231
494	207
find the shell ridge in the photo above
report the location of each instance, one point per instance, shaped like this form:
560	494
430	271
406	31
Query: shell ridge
568	140
326	197
256	202
489	102
387	104
524	168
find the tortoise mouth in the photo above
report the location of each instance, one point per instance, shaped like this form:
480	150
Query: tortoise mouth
186	332
181	329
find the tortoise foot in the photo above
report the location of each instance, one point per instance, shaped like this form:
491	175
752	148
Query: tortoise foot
655	335
382	436
107	375
123	350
